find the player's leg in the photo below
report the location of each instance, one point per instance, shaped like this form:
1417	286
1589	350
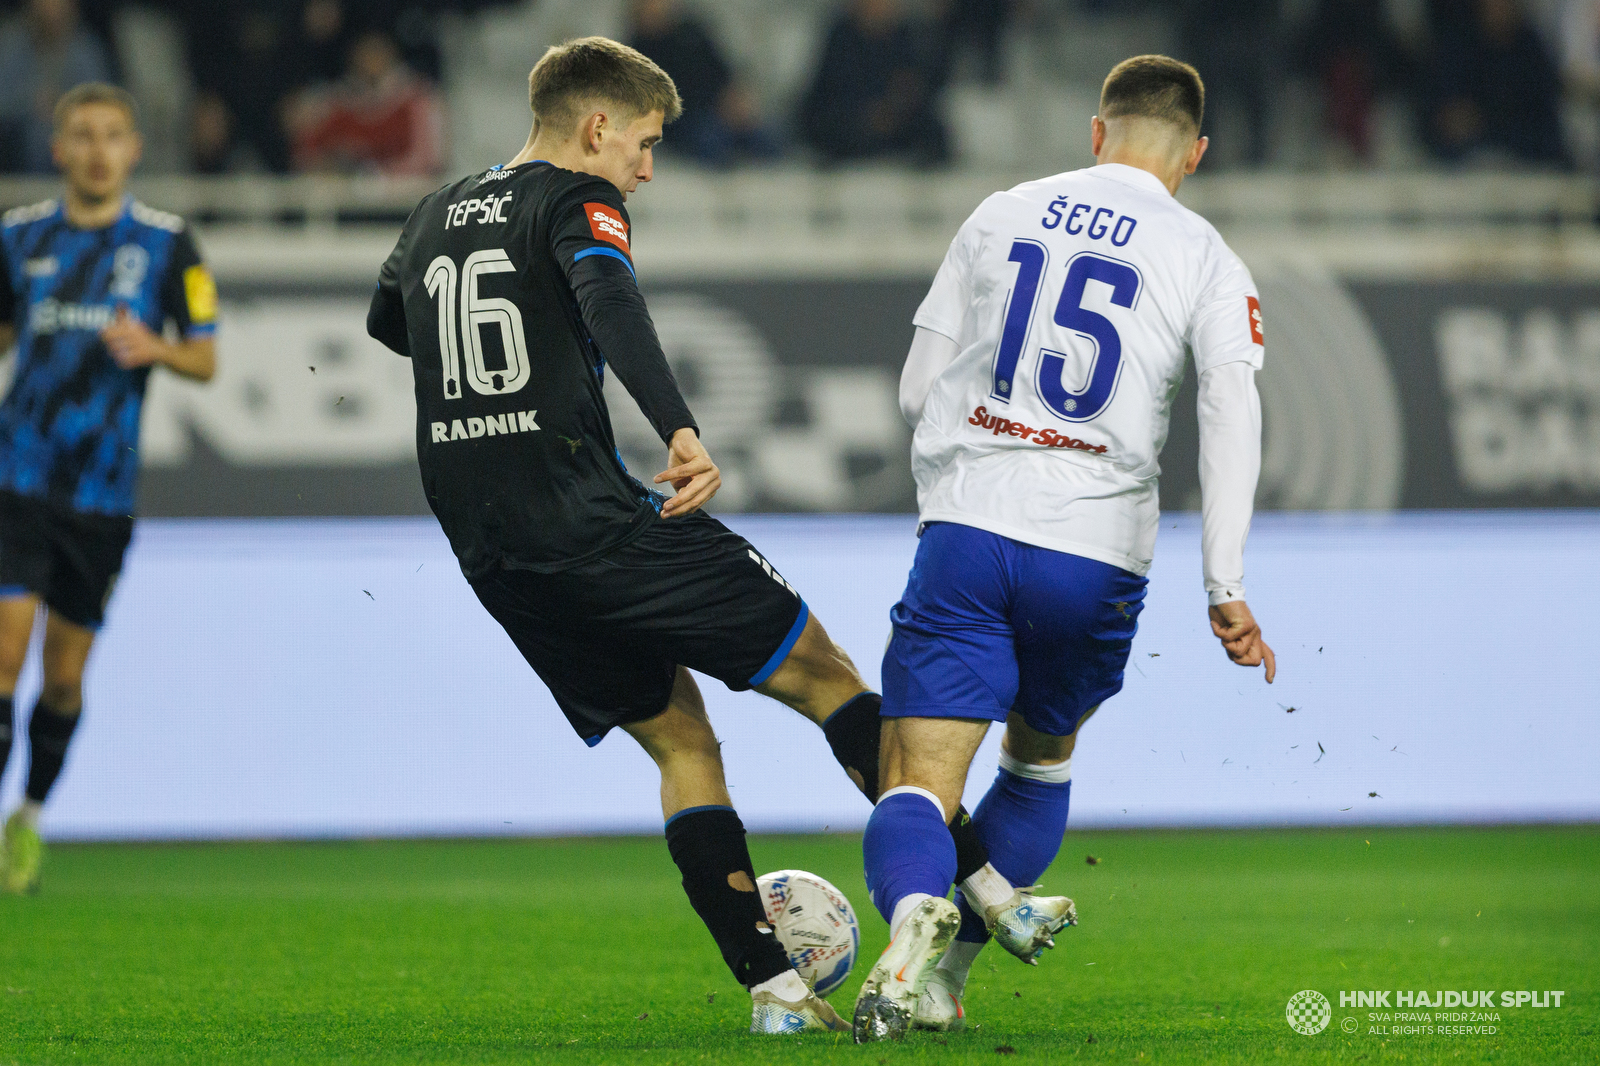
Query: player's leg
949	671
910	863
26	561
707	842
17	611
50	730
818	679
1075	620
77	560
580	631
1021	819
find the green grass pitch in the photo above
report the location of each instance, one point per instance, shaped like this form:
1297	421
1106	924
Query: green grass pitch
585	951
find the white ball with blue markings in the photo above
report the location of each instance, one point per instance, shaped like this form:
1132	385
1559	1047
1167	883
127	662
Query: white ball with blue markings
816	925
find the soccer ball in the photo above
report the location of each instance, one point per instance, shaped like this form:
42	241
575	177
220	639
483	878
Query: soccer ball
815	924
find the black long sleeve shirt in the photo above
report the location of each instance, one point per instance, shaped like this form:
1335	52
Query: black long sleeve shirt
511	291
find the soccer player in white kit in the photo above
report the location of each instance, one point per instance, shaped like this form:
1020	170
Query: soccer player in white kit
1046	357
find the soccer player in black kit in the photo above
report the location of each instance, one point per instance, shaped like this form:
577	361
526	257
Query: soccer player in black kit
513	292
87	284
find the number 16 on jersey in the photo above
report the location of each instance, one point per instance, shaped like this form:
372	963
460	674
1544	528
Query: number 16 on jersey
477	311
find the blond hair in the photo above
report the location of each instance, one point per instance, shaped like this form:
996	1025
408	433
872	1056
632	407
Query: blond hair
94	92
598	72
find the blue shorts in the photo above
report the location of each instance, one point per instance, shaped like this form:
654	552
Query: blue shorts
989	625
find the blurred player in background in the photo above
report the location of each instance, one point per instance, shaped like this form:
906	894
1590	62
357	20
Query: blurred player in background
1045	360
512	291
88	283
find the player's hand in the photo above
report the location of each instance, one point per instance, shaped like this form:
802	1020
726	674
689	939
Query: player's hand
1236	627
692	475
132	343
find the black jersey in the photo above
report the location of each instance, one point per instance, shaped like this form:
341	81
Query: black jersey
511	290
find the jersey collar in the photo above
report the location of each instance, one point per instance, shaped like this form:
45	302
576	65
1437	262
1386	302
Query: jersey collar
61	213
1139	179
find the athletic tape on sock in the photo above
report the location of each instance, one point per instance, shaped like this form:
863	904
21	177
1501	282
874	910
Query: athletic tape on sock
988	888
913	790
1053	774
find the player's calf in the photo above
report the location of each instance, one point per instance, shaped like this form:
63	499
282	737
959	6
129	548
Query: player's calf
1022	819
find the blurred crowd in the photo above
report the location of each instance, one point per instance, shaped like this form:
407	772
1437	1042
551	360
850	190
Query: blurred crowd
352	86
273	85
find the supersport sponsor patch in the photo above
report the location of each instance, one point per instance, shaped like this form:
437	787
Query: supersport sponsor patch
1049	438
1256	333
607	225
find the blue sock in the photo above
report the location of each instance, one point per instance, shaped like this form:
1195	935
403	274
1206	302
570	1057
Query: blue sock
907	848
1022	819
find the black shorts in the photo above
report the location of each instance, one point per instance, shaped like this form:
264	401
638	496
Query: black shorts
69	559
607	636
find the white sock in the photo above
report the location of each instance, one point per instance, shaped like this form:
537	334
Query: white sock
903	908
787	986
958	959
986	889
30	813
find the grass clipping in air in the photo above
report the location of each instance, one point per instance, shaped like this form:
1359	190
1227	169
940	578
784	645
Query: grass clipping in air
585	951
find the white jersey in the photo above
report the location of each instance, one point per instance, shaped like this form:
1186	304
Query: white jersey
1071	300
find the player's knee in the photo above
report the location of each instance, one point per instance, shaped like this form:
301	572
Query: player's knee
12	655
813	666
678	738
63	695
1028	745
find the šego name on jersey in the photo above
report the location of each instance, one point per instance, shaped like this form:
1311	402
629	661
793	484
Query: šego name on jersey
1097	223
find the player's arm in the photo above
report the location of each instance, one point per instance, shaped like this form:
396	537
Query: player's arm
1230	465
931	354
939	320
1227	343
386	317
593	250
188	297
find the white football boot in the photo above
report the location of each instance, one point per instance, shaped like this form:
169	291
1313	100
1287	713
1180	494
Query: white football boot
771	1015
889	995
939	1006
1027	924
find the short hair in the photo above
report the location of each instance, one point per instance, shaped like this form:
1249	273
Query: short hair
1155	87
94	92
598	70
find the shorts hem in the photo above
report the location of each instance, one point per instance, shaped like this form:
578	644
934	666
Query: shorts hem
790	639
944	710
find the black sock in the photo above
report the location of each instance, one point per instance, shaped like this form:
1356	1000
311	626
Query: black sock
708	845
971	855
49	733
854	733
5	732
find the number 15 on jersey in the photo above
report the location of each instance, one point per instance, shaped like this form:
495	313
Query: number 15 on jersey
1105	368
